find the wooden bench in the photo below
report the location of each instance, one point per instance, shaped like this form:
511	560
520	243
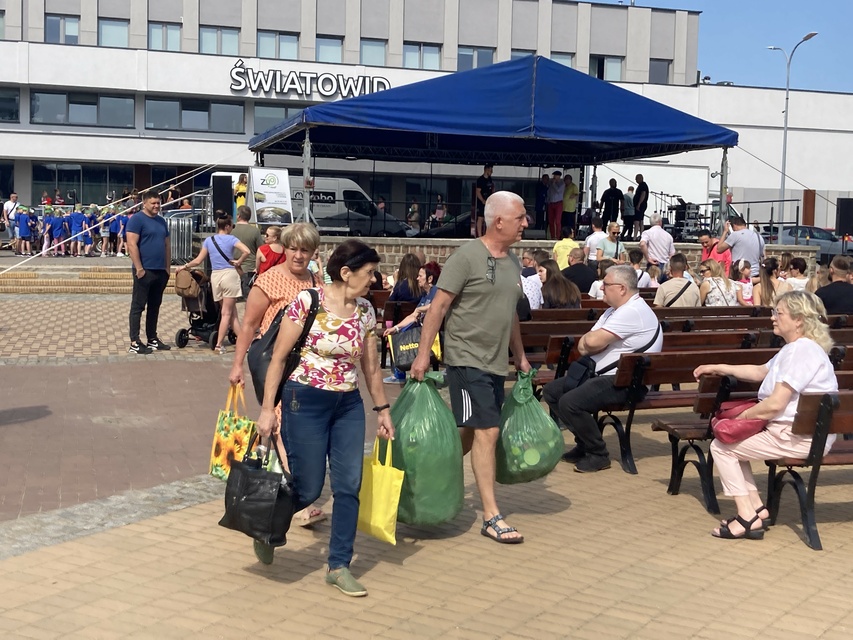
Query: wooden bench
753	324
818	416
378	298
562	315
637	371
685	434
767	338
711	312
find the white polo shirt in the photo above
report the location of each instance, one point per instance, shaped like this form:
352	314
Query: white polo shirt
659	243
634	323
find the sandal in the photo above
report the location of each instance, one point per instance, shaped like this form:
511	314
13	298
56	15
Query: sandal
749	533
500	532
765	522
312	516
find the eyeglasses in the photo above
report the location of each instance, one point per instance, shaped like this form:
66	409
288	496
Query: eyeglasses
605	284
775	313
491	266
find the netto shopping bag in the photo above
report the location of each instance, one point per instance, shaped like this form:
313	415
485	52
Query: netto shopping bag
530	442
232	435
404	348
427	447
258	502
379	496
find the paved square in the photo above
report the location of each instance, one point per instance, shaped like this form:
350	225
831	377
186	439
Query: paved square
108	526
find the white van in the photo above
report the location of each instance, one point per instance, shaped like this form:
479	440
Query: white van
341	206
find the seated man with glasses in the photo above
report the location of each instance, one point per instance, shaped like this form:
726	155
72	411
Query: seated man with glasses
628	326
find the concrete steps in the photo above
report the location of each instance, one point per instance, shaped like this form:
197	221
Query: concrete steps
71	279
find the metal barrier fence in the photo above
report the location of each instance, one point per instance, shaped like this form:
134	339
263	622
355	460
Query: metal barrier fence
181	234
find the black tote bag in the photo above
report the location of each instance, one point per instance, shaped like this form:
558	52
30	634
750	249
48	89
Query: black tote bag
258	502
260	351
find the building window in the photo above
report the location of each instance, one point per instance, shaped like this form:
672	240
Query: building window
61	29
10	105
219	40
2	25
565	59
329	49
86	109
606	68
164	37
284	46
474	58
191	114
373	52
268	115
515	54
417	55
659	71
113	33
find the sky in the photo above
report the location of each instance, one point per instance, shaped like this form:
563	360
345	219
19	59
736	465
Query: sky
734	36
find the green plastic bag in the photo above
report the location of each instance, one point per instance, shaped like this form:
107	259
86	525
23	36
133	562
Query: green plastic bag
530	443
427	447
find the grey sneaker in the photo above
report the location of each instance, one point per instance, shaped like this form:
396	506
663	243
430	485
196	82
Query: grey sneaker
343	580
263	551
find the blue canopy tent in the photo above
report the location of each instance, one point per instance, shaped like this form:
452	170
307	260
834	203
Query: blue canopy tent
526	112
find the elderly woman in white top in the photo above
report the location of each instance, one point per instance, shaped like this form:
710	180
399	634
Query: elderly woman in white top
802	365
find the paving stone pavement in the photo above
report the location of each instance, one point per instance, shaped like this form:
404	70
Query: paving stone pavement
108	529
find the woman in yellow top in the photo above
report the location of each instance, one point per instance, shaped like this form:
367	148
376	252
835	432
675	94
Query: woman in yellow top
240	190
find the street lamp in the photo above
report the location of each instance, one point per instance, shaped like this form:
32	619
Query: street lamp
788	58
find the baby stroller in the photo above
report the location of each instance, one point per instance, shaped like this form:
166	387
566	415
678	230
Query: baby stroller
202	312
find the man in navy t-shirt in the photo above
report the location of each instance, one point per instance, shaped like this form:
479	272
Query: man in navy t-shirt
150	249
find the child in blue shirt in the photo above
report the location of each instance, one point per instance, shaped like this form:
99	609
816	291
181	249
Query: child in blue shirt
122	243
23	221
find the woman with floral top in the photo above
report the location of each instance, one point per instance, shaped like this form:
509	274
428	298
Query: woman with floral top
322	409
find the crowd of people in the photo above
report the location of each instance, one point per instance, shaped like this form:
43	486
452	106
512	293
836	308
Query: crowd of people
68	230
476	297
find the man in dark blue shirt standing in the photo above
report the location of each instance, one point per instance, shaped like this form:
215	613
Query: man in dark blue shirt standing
150	250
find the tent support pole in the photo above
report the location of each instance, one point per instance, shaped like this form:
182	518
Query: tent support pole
307	186
593	186
724	191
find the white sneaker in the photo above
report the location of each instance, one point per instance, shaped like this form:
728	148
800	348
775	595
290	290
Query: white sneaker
119	255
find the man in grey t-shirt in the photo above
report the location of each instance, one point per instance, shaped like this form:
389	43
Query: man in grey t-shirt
478	290
745	243
249	235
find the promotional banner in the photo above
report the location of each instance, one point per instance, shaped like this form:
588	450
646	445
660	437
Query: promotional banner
269	195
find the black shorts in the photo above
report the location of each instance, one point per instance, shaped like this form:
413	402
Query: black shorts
476	397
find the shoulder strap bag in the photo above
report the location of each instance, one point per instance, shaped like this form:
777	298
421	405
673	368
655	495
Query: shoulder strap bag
583	368
678	295
260	351
222	253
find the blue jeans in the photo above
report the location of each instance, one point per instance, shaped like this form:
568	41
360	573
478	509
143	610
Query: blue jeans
319	424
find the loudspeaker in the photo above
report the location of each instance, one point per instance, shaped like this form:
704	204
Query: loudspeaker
844	217
223	194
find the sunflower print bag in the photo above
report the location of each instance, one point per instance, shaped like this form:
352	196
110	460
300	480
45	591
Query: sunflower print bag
232	435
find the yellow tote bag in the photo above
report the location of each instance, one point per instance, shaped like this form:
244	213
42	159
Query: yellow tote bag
232	434
379	496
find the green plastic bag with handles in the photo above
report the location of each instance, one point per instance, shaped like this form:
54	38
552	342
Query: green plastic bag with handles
428	449
530	443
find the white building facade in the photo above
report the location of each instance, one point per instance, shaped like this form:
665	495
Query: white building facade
102	95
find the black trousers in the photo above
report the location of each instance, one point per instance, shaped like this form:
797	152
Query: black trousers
575	408
147	294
